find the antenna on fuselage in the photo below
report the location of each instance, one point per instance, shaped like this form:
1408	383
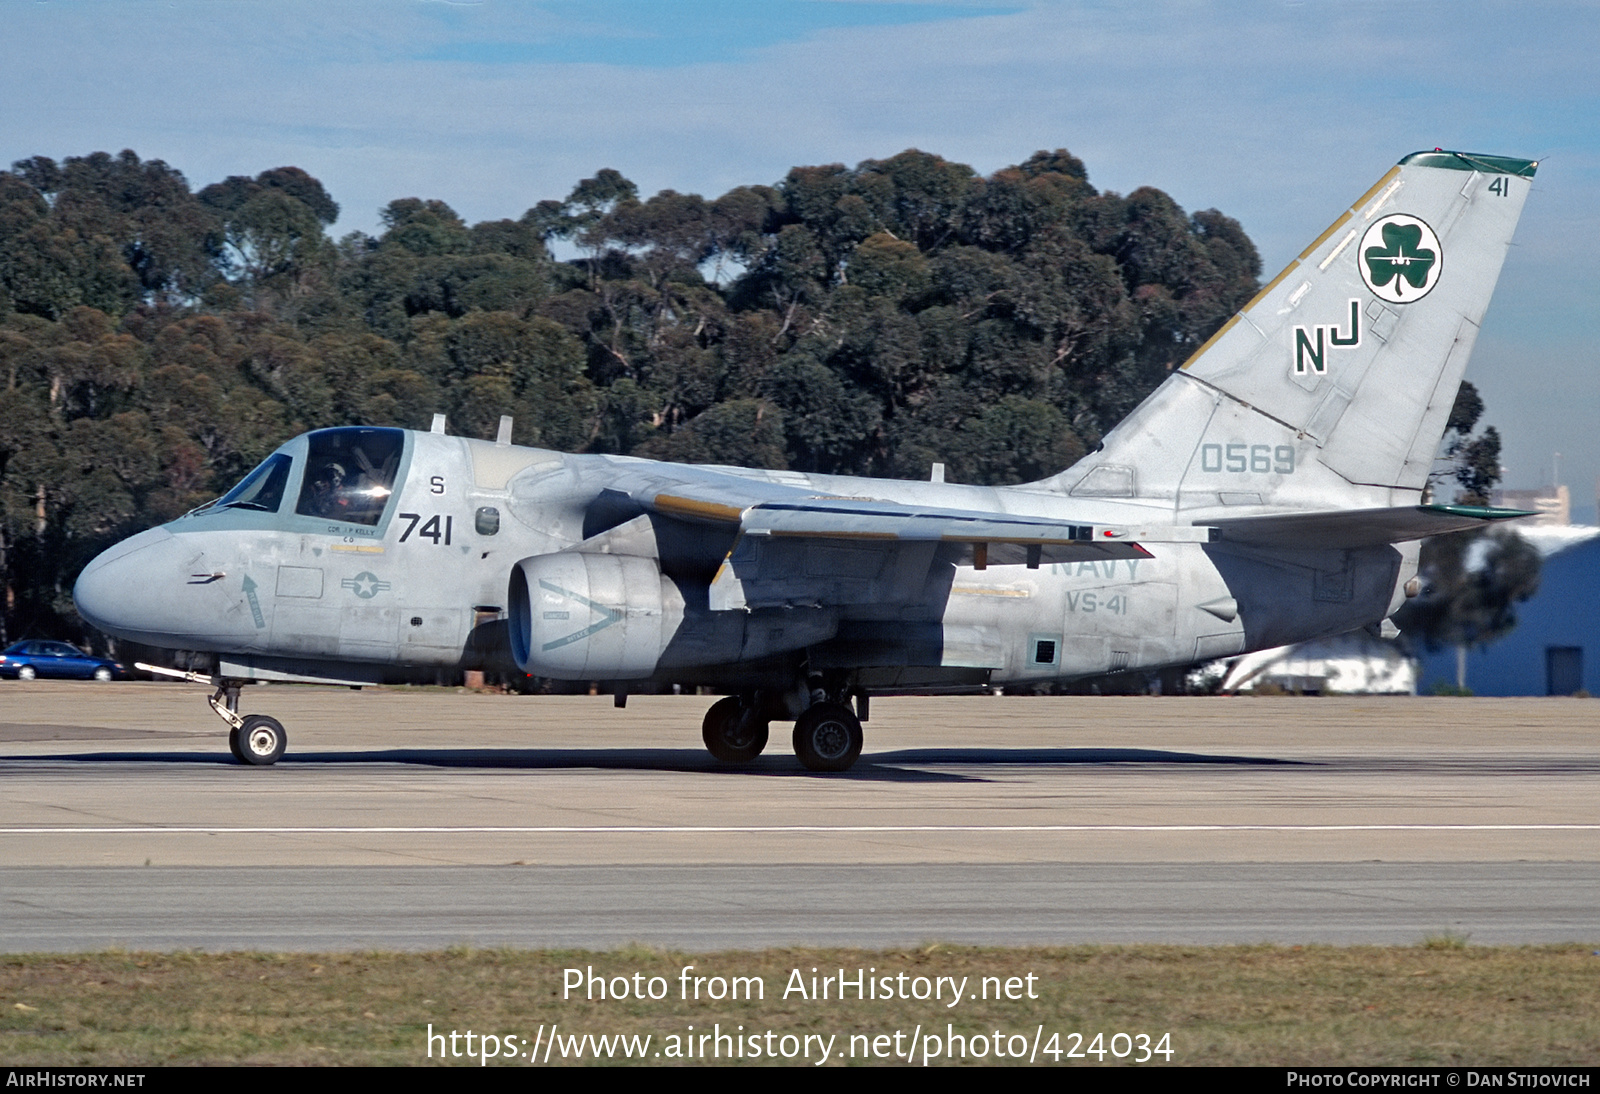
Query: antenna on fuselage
503	437
438	424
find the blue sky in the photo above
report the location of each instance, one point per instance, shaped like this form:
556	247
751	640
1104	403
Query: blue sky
658	33
1278	113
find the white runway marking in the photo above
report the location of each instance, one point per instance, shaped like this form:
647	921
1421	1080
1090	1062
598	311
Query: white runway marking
779	829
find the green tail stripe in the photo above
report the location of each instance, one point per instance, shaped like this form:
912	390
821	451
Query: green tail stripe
1482	512
1472	161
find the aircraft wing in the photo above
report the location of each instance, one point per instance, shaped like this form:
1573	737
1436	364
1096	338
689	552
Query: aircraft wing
844	551
796	547
760	508
1349	528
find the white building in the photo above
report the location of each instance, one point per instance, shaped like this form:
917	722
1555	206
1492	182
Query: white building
1552	503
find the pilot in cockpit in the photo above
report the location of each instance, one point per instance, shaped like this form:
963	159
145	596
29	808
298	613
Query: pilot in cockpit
328	497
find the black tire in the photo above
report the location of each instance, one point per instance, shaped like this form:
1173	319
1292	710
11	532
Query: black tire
234	745
261	740
102	675
827	737
27	672
734	733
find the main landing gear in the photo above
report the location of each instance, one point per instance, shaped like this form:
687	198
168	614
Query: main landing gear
734	731
827	733
256	739
827	737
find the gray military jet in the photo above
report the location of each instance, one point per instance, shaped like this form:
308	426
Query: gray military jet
1269	491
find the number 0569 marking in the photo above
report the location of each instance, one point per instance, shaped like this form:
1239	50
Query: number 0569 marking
1242	459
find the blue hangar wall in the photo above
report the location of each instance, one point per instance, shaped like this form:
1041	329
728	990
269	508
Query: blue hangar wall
1555	647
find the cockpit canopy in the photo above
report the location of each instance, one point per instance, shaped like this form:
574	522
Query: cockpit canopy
348	476
262	489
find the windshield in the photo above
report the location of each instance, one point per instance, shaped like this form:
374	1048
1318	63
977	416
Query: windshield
261	489
350	474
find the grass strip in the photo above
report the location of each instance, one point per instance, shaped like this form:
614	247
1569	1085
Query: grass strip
1440	1003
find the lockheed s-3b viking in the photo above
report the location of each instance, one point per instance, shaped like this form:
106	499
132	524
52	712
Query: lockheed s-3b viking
1269	491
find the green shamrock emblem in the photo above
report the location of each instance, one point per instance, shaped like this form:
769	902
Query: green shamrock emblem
1402	258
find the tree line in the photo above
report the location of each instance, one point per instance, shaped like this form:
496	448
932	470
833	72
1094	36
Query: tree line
156	341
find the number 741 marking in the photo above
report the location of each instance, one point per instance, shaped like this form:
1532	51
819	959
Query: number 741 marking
434	530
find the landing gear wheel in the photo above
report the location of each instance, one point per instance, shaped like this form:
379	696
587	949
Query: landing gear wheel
235	746
733	733
260	741
827	737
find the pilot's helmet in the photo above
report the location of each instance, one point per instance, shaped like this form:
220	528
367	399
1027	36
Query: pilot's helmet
334	473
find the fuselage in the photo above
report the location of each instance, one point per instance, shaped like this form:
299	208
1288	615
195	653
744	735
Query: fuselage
367	554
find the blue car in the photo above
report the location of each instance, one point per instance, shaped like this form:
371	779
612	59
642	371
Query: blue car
38	659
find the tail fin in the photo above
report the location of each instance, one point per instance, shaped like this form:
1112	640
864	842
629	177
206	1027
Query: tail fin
1332	387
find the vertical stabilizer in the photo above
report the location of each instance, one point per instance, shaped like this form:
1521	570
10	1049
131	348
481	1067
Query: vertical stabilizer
1333	385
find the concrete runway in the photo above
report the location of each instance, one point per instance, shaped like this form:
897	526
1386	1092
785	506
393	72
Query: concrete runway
415	819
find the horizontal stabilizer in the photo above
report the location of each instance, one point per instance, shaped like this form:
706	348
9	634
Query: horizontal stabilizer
1351	528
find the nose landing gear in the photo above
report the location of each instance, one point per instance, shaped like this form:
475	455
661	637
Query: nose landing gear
259	740
256	740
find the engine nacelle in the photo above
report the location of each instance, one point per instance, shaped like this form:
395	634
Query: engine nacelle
591	616
580	616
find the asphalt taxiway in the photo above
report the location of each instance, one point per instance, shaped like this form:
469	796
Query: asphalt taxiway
419	818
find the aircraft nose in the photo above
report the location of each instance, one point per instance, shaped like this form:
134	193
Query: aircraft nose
117	592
